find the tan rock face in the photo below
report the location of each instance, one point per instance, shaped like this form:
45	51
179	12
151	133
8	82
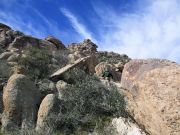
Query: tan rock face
152	88
101	67
46	120
20	100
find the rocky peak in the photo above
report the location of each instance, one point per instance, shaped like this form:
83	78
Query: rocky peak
87	47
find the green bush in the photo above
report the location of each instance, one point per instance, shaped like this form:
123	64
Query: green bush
36	62
5	69
113	58
5	72
61	57
1	50
86	101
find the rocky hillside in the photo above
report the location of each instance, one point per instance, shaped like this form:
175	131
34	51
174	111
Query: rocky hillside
48	88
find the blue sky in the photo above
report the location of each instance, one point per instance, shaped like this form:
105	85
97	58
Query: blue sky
138	28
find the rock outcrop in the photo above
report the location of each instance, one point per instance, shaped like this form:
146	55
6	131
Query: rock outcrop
20	100
7	35
56	42
152	88
24	41
47	114
86	47
124	126
10	39
87	63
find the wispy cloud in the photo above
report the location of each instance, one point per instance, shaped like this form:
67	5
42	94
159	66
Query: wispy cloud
18	23
79	27
19	19
155	32
152	31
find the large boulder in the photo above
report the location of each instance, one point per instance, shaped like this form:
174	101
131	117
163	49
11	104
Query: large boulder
119	67
86	63
101	67
56	42
90	64
20	100
152	88
23	41
47	114
124	126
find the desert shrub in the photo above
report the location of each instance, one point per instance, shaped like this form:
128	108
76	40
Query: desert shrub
36	62
1	50
61	57
5	69
86	101
59	60
45	87
113	58
5	72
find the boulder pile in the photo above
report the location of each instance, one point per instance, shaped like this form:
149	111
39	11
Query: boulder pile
33	100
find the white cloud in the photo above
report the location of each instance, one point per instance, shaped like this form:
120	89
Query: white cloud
79	27
154	32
